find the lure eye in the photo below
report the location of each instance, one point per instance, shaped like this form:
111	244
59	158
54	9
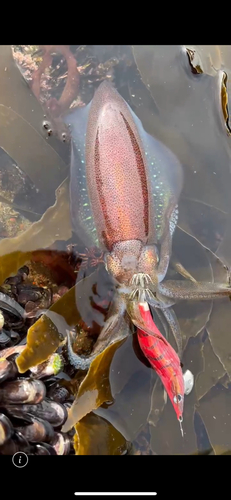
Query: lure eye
177	398
180	418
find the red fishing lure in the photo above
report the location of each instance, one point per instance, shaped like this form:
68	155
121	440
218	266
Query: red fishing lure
163	359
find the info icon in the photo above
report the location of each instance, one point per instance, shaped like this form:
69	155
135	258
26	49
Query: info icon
20	459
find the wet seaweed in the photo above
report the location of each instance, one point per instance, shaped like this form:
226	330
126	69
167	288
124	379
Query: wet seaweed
95	388
95	436
54	225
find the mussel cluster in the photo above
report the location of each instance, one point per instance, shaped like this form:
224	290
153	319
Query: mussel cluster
33	405
19	301
33	408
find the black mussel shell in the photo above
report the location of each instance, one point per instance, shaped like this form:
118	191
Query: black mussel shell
38	431
2	320
18	422
24	270
6	429
44	449
29	293
9	305
4	339
9	448
8	369
22	391
58	393
14	280
50	381
61	443
21	440
51	411
16	443
14	336
19	277
54	412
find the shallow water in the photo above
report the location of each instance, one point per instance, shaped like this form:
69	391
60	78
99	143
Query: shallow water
181	100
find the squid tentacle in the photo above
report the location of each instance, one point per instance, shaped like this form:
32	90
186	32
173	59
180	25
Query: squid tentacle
111	332
166	245
185	290
171	318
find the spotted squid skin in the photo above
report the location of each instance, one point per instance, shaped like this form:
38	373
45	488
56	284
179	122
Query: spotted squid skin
116	170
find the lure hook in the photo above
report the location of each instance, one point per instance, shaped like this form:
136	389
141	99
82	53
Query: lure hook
181	428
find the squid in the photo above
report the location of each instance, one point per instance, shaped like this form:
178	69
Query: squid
124	192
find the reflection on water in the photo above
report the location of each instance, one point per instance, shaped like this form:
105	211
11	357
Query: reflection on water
180	94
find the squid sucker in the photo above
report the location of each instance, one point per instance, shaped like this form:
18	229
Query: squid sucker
124	191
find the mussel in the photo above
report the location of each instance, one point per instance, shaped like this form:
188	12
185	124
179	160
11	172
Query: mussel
51	411
1	320
9	351
44	449
14	336
6	429
58	393
61	443
38	431
9	305
8	370
9	337
16	443
10	448
4	338
29	292
22	391
19	277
